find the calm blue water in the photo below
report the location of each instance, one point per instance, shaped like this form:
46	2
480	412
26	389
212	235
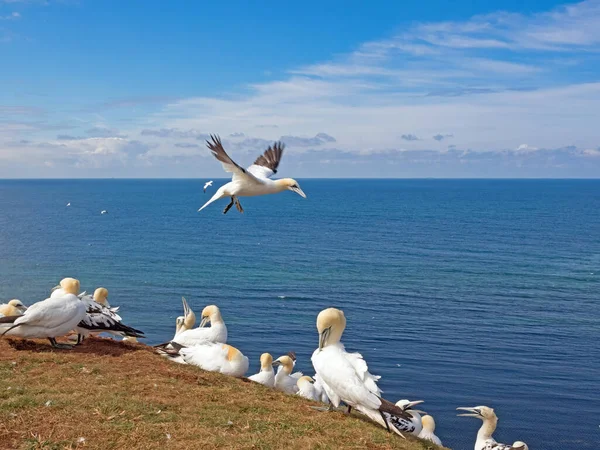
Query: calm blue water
458	292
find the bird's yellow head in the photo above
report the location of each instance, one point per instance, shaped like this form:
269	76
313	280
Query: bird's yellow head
481	412
70	285
286	363
331	323
428	423
266	361
291	185
16	303
189	318
210	314
100	295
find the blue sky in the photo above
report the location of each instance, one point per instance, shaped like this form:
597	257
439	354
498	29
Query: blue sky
393	89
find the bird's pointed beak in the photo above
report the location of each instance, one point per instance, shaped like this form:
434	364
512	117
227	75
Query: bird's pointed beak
298	191
186	307
323	338
472	412
55	288
204	321
276	363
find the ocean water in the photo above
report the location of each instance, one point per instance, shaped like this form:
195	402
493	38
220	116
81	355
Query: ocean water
457	292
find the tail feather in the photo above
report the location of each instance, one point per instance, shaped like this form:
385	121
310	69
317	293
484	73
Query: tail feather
390	408
218	195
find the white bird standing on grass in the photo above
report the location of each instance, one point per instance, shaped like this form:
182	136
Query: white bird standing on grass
207	185
14	307
253	181
50	318
345	376
485	441
266	376
428	431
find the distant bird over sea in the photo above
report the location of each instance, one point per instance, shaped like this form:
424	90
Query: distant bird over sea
253	181
207	185
69	204
104	211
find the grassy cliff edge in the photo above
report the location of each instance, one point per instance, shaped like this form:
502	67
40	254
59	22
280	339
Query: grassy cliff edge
112	395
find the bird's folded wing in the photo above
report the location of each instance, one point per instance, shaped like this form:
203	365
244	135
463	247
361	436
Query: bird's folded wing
47	313
266	164
362	370
102	322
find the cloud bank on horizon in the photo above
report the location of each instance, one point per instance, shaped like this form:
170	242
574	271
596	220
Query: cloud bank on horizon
504	94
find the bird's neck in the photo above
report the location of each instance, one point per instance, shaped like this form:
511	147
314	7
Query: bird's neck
487	429
216	319
266	368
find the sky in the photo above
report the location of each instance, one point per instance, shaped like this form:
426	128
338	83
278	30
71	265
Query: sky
406	89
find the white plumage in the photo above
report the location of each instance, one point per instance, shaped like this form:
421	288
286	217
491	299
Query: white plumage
428	431
214	357
285	380
253	181
306	389
485	440
217	332
266	375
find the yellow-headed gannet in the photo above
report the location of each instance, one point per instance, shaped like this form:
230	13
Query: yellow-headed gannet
266	376
253	181
485	441
213	357
207	185
428	431
217	332
100	319
285	380
14	307
306	389
182	323
50	318
345	376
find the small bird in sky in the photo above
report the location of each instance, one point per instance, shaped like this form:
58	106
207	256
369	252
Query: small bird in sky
207	185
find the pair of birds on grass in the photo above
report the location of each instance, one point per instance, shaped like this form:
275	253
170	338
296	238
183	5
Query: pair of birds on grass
66	311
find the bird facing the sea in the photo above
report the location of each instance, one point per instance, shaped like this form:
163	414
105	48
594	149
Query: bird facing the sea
253	181
485	441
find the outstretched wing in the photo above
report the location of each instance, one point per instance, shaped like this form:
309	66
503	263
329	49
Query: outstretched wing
229	165
266	164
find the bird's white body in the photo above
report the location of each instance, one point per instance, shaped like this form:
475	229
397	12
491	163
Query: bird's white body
266	376
286	382
253	181
428	431
214	357
50	318
217	332
485	440
104	211
69	204
318	385
207	185
306	389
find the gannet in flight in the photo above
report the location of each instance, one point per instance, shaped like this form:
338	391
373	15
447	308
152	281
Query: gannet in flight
213	357
285	380
266	376
217	332
50	318
485	441
100	319
207	185
253	181
14	307
69	204
104	211
428	430
345	376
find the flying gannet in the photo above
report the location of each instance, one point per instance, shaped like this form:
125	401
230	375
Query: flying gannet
485	441
253	181
345	376
50	318
428	430
14	307
266	375
217	332
104	211
100	319
285	380
213	357
207	185
69	204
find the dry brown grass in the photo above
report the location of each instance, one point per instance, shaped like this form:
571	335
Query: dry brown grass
111	395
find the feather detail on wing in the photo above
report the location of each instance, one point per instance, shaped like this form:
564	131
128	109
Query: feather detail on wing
361	368
101	322
216	147
266	164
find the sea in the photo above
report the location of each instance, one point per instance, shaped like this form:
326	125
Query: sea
456	292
